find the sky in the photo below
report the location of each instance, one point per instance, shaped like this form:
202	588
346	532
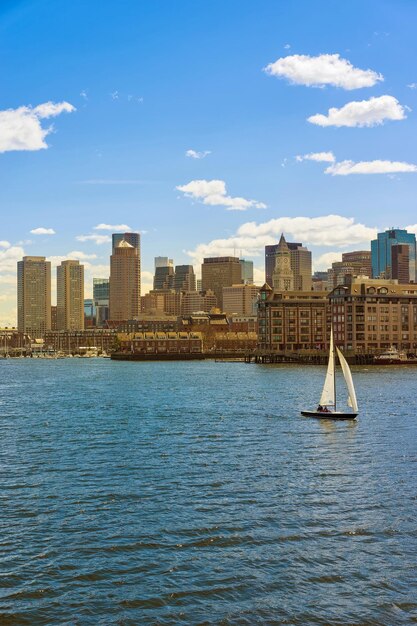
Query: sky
209	126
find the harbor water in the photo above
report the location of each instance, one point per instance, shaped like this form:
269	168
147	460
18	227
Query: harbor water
195	493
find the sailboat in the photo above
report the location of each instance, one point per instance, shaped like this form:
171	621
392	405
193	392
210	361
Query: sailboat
327	408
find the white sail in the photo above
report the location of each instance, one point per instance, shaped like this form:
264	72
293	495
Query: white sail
352	402
328	393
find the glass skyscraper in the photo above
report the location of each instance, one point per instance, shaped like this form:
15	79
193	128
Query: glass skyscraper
381	252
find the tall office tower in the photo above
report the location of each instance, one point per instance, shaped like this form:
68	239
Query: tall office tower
196	301
70	295
283	275
184	279
199	284
300	261
381	252
132	238
247	271
34	296
101	298
164	277
401	263
219	272
124	282
163	261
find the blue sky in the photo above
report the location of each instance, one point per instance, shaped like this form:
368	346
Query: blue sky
142	82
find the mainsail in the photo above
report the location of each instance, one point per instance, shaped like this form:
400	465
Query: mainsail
328	393
352	402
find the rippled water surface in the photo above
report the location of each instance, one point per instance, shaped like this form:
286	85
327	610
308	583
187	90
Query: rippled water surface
194	493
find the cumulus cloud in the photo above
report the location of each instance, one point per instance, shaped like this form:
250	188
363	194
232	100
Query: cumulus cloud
321	70
5	244
251	237
412	228
194	154
9	258
326	157
213	193
370	112
21	129
43	231
323	262
345	168
113	227
98	239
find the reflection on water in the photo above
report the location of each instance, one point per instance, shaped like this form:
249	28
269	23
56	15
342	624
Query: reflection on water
195	493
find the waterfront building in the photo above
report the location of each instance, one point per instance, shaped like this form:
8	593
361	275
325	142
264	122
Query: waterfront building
300	263
184	279
145	322
101	297
283	275
34	296
247	271
401	262
124	282
219	272
71	341
292	321
240	299
162	343
70	295
370	315
381	249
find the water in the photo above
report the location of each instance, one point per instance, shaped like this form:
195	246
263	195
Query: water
194	493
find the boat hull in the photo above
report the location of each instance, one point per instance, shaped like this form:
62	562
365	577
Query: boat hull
335	415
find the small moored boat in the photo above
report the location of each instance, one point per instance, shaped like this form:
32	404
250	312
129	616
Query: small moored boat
327	408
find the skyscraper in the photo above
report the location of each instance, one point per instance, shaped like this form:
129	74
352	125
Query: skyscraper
70	295
401	263
124	282
34	296
283	275
163	261
101	299
132	238
247	271
382	256
163	277
220	272
184	279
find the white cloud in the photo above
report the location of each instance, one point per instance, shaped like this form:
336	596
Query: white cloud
9	258
84	94
325	69
98	239
21	129
412	86
4	244
323	262
194	154
251	238
43	231
113	227
412	228
213	193
370	112
326	157
344	168
287	46
146	281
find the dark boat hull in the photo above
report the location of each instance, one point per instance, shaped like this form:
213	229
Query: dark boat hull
329	416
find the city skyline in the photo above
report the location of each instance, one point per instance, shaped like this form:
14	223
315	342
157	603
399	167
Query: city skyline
211	162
